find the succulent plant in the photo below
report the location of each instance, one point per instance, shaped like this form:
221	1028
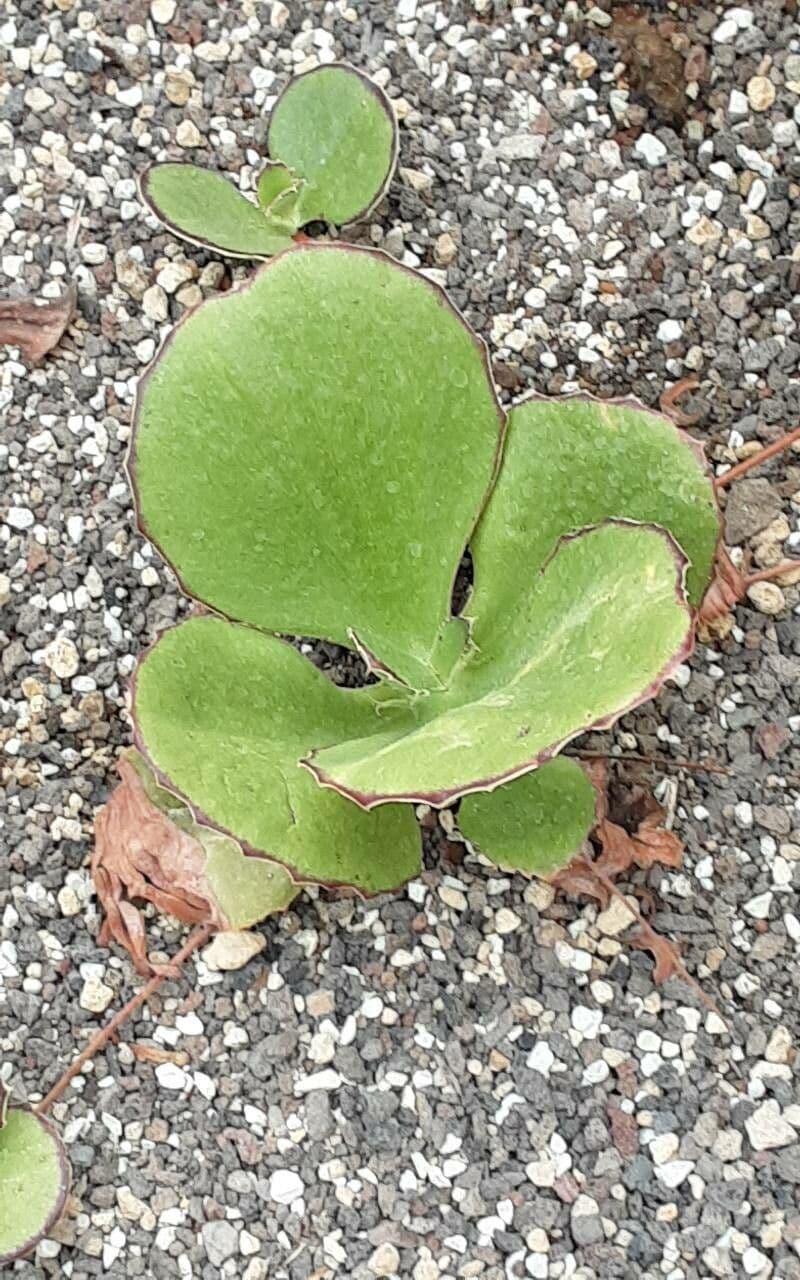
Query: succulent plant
34	1178
312	453
333	145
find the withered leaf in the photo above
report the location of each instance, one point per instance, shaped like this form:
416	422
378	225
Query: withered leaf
140	854
579	878
35	326
152	1053
655	69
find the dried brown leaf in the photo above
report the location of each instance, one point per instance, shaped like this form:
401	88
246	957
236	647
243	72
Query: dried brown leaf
578	877
655	68
35	326
152	1053
140	854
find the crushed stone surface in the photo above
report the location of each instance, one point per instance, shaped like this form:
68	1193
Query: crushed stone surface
472	1078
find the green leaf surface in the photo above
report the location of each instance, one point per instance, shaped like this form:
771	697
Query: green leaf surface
206	209
311	453
34	1182
537	823
592	635
279	191
247	889
225	714
578	461
274	180
336	129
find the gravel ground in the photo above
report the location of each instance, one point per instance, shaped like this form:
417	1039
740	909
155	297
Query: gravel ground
468	1079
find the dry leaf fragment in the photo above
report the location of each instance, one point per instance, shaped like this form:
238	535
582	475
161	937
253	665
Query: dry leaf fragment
655	68
35	325
152	1053
141	854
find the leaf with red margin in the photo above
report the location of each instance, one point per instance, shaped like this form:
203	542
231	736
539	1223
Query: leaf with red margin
206	209
34	1181
596	633
224	713
148	849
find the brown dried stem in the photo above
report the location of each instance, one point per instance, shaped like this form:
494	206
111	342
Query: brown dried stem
101	1038
755	460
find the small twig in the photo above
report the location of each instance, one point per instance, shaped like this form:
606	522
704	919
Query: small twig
106	1033
765	575
664	762
755	459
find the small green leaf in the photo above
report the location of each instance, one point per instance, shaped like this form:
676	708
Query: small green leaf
335	128
534	825
274	180
311	417
246	889
279	192
34	1182
206	209
578	461
592	635
225	713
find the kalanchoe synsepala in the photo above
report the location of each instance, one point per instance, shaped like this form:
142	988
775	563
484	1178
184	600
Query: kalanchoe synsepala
333	146
311	453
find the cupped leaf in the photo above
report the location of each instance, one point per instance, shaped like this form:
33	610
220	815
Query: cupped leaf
206	209
279	190
224	713
591	635
274	180
34	1182
535	824
337	129
291	446
578	461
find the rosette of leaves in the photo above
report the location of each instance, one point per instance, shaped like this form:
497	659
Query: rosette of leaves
312	453
34	1179
333	144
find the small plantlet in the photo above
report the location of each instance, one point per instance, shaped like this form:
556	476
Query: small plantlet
333	145
34	1178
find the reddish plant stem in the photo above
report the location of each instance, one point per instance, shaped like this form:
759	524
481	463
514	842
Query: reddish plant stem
106	1033
764	575
755	460
702	766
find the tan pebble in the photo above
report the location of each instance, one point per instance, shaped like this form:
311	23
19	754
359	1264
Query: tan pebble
188	135
767	598
584	65
616	917
760	93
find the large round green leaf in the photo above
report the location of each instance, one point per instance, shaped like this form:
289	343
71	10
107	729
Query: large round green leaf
592	635
225	713
34	1182
206	209
574	462
337	130
311	453
535	824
